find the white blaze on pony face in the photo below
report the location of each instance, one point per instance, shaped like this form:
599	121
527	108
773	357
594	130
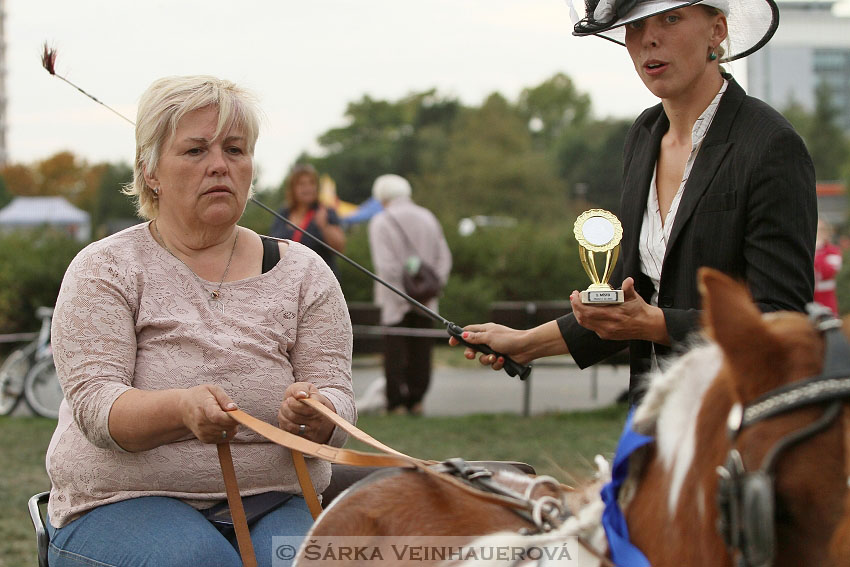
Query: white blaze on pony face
673	403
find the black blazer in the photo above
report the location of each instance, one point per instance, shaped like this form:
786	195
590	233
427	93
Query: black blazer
748	209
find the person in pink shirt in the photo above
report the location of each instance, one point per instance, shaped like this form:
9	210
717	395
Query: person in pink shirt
161	328
827	265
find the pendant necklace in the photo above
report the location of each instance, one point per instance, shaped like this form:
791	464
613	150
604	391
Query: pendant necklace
215	295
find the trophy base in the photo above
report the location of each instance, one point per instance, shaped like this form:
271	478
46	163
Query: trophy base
602	296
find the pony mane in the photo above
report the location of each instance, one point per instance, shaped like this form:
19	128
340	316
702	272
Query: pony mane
669	412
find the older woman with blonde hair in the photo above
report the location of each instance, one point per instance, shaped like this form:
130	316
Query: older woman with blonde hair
162	328
711	177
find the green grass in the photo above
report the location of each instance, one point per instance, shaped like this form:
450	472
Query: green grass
560	444
23	443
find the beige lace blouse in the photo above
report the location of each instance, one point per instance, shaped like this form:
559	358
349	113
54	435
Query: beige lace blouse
130	315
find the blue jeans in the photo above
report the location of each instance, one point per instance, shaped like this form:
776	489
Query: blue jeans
156	531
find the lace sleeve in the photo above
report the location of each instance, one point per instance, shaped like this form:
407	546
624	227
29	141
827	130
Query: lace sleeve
322	350
94	342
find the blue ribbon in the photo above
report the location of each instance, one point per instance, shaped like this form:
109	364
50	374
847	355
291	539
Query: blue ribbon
623	552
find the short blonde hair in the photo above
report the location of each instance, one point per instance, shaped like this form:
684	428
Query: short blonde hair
162	106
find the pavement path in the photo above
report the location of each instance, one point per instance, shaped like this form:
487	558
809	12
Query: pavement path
556	384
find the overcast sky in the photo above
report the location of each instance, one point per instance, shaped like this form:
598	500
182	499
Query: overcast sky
305	59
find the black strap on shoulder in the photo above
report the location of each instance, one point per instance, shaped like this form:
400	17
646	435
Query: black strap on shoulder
271	253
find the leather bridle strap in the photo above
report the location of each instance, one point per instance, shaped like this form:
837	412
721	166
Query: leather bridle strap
307	488
237	512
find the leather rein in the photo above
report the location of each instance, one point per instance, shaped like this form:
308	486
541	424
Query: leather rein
546	513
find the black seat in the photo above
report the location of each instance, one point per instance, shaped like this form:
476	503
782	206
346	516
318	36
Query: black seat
42	538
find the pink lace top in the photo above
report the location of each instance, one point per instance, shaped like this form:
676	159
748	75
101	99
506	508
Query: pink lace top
130	315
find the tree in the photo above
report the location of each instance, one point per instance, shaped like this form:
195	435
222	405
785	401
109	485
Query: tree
826	142
552	107
590	160
491	168
113	209
5	195
20	180
383	137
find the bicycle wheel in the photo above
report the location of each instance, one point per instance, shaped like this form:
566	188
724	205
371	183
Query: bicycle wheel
12	375
42	390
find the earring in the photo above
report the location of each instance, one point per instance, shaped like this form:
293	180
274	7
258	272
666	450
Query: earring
156	192
712	56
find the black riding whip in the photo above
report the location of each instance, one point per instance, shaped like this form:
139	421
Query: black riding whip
513	368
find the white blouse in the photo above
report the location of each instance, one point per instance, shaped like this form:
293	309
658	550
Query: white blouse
654	233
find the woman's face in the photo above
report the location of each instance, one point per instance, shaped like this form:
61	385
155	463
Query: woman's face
670	50
203	180
305	191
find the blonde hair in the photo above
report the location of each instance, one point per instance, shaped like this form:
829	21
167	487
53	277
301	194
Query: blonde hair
162	106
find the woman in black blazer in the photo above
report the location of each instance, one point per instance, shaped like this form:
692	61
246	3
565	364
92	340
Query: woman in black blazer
712	177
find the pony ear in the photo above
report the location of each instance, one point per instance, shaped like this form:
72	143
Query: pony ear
734	322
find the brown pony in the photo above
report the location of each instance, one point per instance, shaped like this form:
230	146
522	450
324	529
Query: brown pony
670	499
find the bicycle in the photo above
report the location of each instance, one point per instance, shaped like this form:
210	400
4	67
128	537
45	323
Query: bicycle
29	373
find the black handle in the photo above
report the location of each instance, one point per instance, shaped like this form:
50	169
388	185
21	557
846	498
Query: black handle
512	367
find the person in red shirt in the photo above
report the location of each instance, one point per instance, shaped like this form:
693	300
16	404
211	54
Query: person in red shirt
827	266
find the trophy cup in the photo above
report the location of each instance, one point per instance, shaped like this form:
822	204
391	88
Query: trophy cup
598	230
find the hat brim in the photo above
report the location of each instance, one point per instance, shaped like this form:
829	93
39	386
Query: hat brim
750	23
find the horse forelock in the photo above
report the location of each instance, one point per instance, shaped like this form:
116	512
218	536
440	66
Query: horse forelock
670	410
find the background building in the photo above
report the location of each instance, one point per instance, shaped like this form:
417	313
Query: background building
810	48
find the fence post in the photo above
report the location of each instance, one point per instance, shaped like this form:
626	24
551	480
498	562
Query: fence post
531	322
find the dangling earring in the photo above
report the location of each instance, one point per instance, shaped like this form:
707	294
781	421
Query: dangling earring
712	56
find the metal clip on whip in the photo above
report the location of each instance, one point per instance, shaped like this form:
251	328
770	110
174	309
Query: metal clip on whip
512	367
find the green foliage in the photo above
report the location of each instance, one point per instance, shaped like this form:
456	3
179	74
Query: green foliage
380	138
33	262
591	162
827	143
553	107
5	195
113	210
356	286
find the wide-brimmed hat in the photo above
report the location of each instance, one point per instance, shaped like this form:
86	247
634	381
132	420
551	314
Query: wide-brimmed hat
751	23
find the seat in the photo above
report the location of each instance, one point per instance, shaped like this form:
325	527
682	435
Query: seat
342	476
42	538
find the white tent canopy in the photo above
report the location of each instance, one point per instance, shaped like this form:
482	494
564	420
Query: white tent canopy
31	212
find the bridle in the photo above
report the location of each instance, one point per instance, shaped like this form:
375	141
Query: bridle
745	500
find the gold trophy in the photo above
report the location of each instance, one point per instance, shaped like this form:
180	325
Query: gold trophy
598	230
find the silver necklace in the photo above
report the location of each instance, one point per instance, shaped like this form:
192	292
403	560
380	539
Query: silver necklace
215	295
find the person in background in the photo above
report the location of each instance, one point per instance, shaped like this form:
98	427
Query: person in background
404	229
712	177
827	265
162	328
303	208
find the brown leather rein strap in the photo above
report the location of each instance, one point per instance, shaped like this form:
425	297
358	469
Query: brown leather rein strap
300	446
356	458
237	512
